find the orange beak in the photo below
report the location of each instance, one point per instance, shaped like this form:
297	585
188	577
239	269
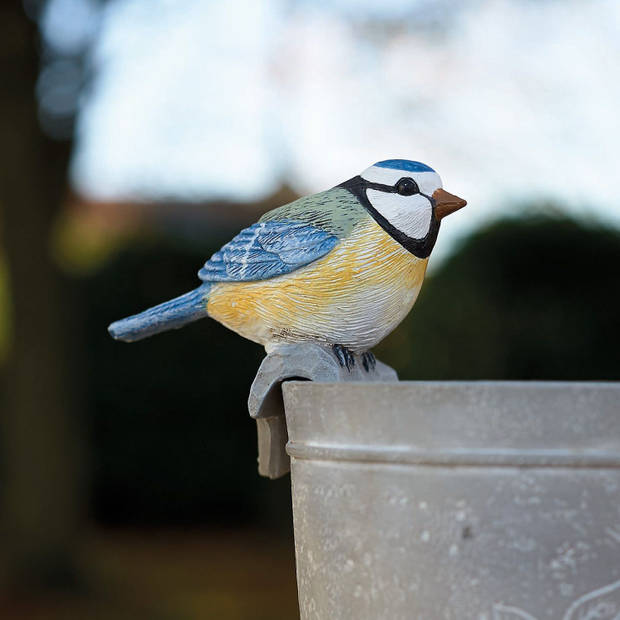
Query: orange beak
446	203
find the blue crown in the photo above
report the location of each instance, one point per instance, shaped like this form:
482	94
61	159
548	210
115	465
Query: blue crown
404	164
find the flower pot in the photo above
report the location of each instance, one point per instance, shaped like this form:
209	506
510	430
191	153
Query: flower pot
434	500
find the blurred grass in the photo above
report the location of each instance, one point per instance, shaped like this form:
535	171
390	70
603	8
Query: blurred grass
174	575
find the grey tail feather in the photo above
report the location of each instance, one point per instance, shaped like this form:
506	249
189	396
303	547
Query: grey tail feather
169	315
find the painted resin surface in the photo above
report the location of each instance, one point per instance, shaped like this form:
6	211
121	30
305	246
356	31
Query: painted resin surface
342	267
353	296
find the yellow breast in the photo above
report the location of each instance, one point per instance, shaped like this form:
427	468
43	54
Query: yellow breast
353	296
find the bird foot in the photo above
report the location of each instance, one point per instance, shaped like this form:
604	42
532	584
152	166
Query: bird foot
369	361
344	356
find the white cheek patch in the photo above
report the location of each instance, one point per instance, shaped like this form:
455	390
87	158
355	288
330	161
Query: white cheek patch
428	182
409	214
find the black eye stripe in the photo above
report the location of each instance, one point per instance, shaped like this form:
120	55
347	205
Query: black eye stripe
382	187
363	185
406	183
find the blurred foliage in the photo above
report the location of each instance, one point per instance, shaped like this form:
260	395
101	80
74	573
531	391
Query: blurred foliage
171	435
82	240
530	298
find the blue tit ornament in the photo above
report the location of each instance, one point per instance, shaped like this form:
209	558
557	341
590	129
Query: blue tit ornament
341	268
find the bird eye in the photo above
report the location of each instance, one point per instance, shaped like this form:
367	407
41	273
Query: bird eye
407	187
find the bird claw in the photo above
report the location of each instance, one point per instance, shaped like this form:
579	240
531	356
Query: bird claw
344	356
369	361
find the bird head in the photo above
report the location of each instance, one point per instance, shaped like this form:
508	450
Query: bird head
407	200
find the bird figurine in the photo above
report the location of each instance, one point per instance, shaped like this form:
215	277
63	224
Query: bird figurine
341	268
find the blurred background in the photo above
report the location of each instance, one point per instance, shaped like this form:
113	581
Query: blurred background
137	136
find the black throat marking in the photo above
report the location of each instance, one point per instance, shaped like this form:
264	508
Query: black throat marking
421	248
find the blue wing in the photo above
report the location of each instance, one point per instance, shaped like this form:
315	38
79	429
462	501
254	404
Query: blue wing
267	249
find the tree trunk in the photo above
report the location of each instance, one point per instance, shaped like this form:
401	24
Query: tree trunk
40	448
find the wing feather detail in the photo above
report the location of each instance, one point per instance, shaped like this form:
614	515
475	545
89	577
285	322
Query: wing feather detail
267	249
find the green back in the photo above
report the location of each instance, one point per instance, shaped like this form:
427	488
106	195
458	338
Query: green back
335	211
